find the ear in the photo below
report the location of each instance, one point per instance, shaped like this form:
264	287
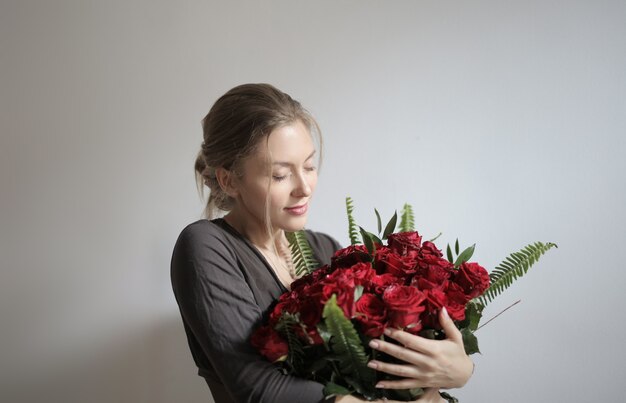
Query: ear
227	181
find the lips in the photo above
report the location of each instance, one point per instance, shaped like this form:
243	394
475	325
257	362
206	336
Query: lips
298	210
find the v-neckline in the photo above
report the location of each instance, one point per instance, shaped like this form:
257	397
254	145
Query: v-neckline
254	250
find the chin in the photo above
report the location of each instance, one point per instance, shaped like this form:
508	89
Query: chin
296	224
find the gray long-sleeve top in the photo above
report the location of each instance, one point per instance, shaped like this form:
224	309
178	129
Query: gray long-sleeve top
224	288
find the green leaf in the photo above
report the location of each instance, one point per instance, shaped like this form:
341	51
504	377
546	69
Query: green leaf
512	268
435	238
407	219
464	256
352	232
470	342
332	389
323	331
301	252
428	334
449	398
456	246
378	223
473	314
346	345
358	292
416	392
368	241
391	225
375	238
449	254
295	355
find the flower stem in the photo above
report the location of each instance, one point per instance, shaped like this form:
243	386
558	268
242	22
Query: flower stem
501	312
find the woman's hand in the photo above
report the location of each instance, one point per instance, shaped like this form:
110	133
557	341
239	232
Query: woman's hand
429	363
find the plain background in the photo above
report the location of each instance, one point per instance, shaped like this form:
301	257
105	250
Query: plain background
501	122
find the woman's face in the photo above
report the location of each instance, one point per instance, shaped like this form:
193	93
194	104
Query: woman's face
292	178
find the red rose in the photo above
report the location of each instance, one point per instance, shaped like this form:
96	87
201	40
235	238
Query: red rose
399	266
269	343
370	313
429	248
422	284
350	256
287	303
456	301
379	256
405	242
434	269
435	300
341	283
379	283
449	295
311	278
362	273
404	306
473	279
310	312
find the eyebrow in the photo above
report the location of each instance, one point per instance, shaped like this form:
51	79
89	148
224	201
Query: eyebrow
288	164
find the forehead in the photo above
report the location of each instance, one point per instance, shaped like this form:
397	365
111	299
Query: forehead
290	144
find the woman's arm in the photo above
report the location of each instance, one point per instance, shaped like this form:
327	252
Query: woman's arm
220	311
429	363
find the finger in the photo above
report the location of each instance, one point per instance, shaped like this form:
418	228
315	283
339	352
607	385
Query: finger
412	341
447	324
403	371
399	384
402	353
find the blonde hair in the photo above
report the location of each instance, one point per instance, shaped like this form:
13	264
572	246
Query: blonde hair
234	128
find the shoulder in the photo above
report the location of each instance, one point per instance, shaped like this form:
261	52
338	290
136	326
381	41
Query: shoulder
202	239
201	230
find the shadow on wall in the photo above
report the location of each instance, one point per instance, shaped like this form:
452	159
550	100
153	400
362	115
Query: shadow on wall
150	365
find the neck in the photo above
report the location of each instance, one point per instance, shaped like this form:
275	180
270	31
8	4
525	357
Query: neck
255	231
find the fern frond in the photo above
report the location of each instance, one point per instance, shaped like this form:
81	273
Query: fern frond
352	227
512	268
301	253
407	219
295	357
346	344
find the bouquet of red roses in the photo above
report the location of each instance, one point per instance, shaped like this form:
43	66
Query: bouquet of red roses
321	328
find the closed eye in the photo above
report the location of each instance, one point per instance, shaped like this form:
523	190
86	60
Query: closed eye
279	178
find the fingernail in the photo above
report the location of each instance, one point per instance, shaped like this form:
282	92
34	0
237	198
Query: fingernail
380	386
372	364
373	344
445	312
387	332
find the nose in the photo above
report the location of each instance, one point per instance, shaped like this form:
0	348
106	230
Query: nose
302	187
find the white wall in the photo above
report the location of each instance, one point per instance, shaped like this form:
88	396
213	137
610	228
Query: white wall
502	122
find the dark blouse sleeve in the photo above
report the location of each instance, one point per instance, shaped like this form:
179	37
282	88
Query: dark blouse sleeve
219	308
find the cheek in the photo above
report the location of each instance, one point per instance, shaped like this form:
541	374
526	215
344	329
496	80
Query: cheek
255	194
279	194
313	181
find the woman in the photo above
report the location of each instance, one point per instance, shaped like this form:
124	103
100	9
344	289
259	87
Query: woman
259	160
